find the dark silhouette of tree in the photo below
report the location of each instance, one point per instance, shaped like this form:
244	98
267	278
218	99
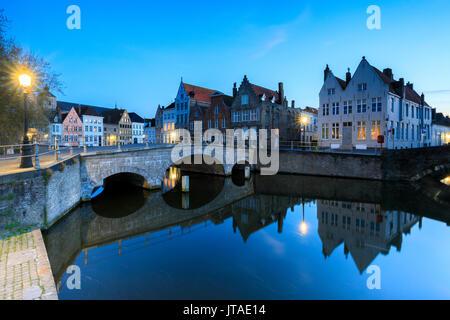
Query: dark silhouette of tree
13	61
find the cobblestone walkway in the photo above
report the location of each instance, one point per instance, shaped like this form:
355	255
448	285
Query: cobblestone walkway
25	272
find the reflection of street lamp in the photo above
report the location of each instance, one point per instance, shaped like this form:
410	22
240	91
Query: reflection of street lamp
303	225
26	161
173	137
448	137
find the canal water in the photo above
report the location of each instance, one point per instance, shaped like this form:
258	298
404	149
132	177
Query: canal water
282	237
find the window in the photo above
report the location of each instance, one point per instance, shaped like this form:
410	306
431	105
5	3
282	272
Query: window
407	110
376	104
348	107
326	109
217	110
361	130
364	105
358	106
392	105
335	108
224	123
325	131
216	124
335	131
331	91
253	115
245	115
375	129
362	87
244	99
236	116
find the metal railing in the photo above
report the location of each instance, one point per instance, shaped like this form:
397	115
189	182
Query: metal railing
312	146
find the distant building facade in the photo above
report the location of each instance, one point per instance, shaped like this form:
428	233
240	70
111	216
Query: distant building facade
309	130
137	124
117	127
256	107
72	129
354	112
150	131
169	134
440	130
188	96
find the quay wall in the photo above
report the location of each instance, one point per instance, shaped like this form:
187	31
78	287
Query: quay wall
38	198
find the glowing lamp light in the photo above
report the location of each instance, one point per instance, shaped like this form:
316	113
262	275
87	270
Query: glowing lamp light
174	176
25	80
303	228
304	120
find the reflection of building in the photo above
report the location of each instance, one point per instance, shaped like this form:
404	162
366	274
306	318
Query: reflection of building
257	212
365	229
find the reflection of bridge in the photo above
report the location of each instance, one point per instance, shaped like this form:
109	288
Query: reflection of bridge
253	207
84	229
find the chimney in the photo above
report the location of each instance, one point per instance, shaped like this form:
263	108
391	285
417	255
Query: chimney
402	87
281	92
388	73
348	76
422	99
234	90
79	110
410	85
325	73
293	104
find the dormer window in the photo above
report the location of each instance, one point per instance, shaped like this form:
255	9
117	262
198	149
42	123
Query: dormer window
331	91
244	100
362	87
263	98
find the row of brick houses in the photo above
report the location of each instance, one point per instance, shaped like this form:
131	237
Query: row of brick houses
249	107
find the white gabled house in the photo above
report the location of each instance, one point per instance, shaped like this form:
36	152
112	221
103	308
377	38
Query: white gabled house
354	112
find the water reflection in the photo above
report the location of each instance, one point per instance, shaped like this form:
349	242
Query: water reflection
202	189
117	201
162	251
364	229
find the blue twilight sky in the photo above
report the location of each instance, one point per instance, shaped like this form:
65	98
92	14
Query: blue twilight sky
135	52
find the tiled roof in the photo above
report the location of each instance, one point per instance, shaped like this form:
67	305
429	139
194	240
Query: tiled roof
342	83
112	116
260	91
199	93
410	94
136	118
66	106
311	110
171	106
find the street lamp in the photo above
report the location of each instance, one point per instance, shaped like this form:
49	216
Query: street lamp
26	161
303	122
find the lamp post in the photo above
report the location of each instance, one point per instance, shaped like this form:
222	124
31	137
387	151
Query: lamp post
26	161
303	122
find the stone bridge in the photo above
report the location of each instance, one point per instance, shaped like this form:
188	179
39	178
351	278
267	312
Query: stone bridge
149	163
